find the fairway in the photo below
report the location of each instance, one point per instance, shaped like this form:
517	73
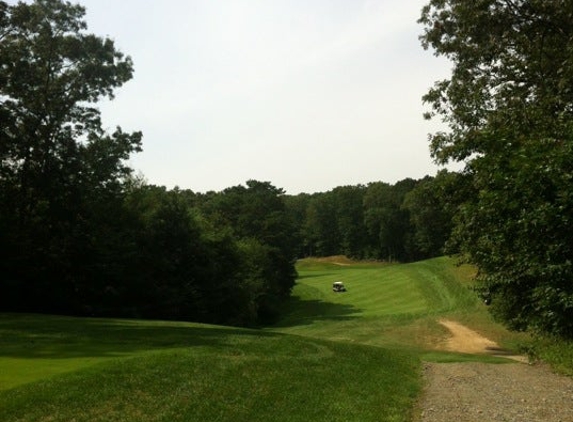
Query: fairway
389	305
353	356
377	289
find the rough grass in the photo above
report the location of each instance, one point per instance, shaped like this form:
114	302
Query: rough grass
557	352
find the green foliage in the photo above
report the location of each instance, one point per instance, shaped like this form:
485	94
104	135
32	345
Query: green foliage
78	235
195	264
553	350
61	175
380	221
509	108
349	214
387	221
51	71
322	237
256	217
432	206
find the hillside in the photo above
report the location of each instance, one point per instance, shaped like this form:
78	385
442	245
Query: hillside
388	305
354	356
122	370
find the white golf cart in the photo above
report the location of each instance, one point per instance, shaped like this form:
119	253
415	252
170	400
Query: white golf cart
338	287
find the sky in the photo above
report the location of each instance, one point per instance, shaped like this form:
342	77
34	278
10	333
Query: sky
306	94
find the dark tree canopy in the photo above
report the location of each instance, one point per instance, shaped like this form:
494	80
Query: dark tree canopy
256	215
509	107
61	174
432	206
406	221
53	148
511	77
78	234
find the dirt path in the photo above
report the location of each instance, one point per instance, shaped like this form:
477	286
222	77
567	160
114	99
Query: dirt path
464	340
468	392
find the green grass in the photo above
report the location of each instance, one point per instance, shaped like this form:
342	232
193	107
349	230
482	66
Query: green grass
35	347
390	306
157	371
354	356
554	351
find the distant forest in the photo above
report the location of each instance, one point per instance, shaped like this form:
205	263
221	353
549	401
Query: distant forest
406	221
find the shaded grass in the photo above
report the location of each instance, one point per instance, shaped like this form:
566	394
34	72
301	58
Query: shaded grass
33	347
181	372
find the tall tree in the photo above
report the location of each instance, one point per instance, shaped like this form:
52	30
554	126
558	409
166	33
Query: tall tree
432	206
509	107
387	221
349	211
57	164
321	228
257	217
296	207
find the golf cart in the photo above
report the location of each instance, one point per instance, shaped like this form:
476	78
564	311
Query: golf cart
338	287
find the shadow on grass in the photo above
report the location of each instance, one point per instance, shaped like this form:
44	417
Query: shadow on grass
306	312
53	337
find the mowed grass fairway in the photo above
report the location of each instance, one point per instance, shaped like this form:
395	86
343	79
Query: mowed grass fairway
353	356
387	305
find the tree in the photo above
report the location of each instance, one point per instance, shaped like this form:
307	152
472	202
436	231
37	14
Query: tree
296	208
432	206
509	108
349	212
185	267
387	221
320	226
57	164
257	217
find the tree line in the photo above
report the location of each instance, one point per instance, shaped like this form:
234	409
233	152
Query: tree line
406	221
80	234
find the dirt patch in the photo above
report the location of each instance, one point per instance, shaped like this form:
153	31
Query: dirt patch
465	340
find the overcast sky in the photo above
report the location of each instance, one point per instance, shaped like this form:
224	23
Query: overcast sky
306	94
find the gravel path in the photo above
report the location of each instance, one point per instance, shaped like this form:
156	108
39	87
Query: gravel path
513	392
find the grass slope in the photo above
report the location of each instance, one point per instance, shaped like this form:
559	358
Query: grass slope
354	356
392	306
114	370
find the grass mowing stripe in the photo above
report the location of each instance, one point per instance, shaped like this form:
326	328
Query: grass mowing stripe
372	290
392	306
